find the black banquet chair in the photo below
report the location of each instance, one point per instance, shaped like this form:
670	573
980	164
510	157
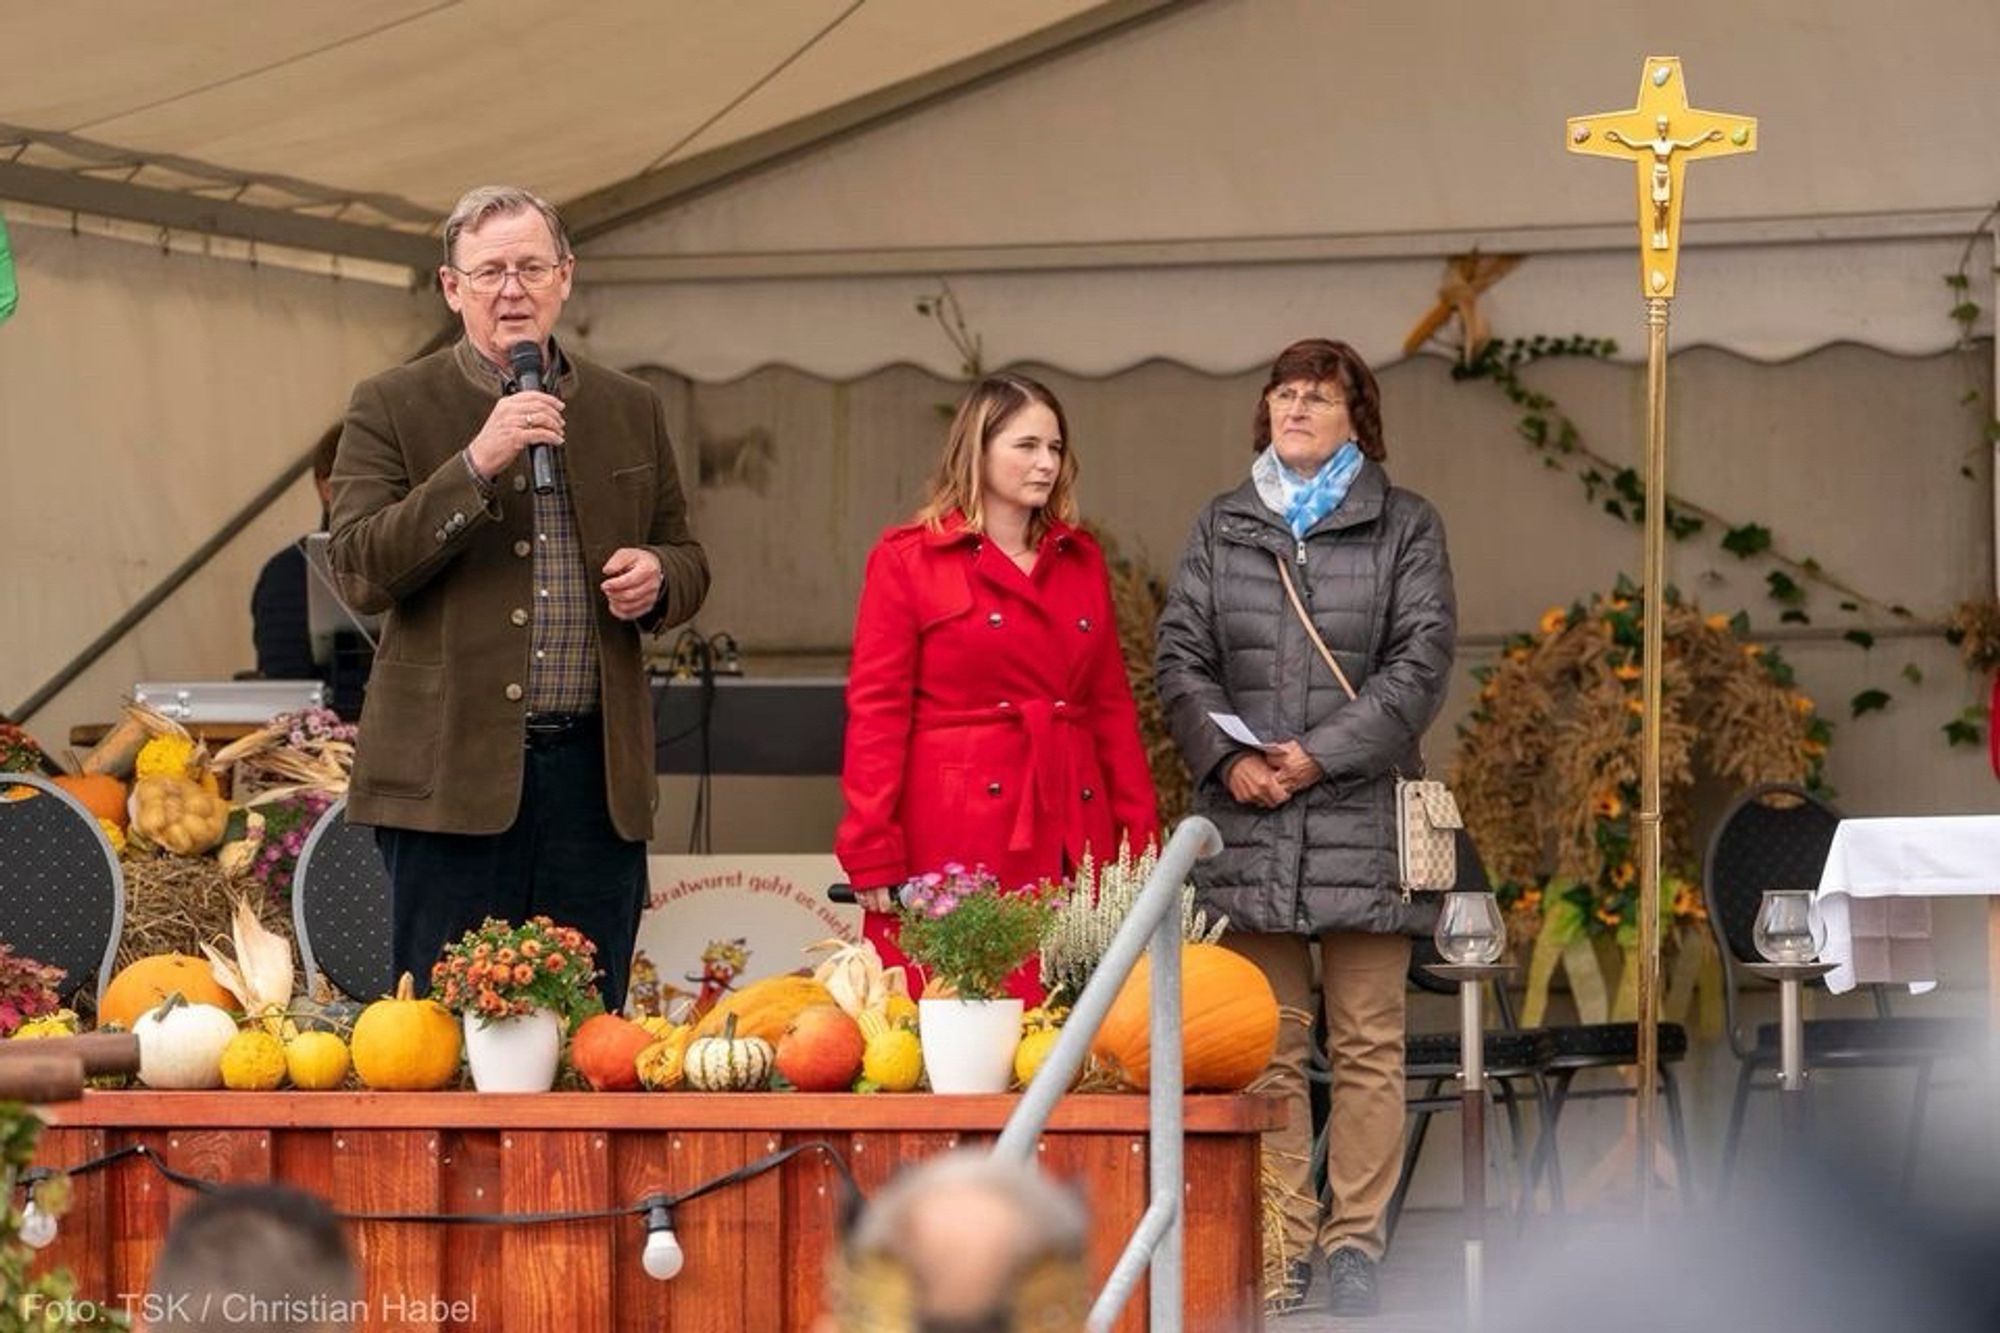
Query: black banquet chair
340	909
62	891
1777	836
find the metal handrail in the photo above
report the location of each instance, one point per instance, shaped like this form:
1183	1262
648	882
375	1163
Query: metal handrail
1155	922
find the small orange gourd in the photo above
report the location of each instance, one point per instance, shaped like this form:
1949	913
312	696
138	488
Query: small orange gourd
605	1050
1229	1021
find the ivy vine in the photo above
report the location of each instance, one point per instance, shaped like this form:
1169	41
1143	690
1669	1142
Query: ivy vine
1620	491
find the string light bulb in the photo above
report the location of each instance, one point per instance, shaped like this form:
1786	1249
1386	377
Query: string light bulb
662	1257
38	1227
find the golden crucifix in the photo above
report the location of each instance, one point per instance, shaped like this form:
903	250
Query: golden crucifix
1659	136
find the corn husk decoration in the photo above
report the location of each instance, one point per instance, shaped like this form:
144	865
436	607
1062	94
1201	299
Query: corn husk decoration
854	975
238	856
260	977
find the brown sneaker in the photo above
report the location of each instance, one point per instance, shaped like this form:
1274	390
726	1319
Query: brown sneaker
1350	1283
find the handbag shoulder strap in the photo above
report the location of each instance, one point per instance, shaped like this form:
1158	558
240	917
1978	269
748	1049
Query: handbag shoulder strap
1291	591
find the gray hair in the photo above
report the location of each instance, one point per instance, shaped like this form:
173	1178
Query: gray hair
1051	1221
489	201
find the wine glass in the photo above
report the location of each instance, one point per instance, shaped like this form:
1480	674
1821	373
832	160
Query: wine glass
1789	928
1470	929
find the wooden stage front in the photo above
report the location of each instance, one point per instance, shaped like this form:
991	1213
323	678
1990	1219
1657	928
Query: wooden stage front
756	1251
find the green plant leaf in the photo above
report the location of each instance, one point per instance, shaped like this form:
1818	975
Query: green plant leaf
1860	638
1913	673
1869	701
1748	540
1960	732
1795	617
1966	312
1784	588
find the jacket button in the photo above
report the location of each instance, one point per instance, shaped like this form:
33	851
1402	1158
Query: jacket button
1088	793
513	693
518	616
992	789
1084	624
993	618
1061	704
1003	704
523	548
441	536
520	483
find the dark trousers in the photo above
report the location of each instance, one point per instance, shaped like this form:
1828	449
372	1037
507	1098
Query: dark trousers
562	858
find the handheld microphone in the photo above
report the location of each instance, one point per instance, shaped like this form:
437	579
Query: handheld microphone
526	359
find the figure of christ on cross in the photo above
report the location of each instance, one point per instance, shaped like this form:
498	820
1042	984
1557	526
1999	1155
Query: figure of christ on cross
1662	148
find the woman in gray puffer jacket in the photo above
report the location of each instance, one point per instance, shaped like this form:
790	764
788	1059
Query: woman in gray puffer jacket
1308	822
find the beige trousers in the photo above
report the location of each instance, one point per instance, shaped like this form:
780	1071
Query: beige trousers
1362	981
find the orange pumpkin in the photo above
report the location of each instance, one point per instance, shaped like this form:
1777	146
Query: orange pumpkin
101	794
141	986
1229	1021
605	1050
765	1008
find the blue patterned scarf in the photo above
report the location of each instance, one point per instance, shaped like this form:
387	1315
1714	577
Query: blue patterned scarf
1304	501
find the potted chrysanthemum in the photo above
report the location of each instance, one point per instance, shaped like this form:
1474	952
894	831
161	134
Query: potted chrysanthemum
519	988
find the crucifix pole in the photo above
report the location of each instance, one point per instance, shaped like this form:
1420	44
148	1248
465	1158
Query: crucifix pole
1659	136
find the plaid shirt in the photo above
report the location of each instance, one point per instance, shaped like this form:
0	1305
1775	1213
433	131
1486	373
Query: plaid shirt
562	662
562	670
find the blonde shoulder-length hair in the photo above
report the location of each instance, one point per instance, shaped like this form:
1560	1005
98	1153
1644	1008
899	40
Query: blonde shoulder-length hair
957	484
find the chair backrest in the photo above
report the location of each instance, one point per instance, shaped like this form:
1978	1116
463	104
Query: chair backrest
62	891
1775	836
340	908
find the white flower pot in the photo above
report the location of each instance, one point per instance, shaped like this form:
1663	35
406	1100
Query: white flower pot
969	1044
514	1054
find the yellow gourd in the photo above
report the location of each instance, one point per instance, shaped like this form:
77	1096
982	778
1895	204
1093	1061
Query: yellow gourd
404	1044
316	1061
764	1009
893	1059
253	1061
662	1066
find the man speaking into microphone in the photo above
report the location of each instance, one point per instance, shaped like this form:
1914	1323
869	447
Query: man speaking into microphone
517	513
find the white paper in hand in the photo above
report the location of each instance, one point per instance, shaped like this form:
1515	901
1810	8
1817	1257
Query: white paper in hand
1239	731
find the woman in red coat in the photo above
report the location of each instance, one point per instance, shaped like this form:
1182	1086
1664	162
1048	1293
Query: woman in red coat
989	720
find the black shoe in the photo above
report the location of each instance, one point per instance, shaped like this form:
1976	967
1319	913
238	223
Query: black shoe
1298	1281
1350	1283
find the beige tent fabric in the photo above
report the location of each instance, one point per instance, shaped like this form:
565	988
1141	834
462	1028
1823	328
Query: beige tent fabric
143	399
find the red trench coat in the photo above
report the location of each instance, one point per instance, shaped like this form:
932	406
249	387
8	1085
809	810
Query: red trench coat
989	719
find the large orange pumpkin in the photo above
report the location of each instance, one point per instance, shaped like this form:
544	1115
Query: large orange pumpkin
605	1050
141	986
765	1008
1229	1021
101	794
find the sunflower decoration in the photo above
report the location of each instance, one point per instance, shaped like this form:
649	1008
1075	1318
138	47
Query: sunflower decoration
1548	764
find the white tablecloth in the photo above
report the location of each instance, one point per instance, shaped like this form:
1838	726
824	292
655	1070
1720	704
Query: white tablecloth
1929	857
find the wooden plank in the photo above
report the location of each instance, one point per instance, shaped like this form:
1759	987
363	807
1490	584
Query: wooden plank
639	1167
140	1197
83	1238
222	1156
1109	1170
813	1193
1224	1246
558	1273
303	1159
401	1263
723	1253
475	1273
833	1112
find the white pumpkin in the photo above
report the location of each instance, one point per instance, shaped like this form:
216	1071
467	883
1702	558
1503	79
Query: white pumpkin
180	1044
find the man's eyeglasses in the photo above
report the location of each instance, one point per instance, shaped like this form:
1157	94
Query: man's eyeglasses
1318	404
490	278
